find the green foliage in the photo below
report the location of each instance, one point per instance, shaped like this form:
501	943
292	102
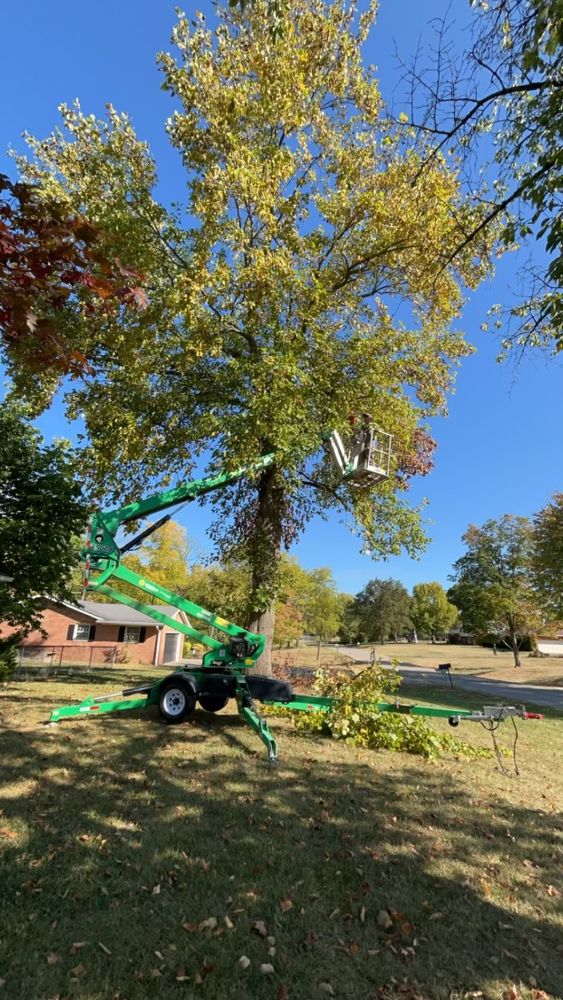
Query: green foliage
430	610
223	589
356	719
164	557
493	585
41	513
8	657
321	604
271	311
547	556
381	610
307	599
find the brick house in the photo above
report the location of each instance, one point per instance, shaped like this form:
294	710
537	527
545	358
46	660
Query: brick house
93	632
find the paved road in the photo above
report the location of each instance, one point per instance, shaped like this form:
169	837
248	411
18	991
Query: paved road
516	694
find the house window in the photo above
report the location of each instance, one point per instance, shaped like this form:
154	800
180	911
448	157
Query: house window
132	633
82	631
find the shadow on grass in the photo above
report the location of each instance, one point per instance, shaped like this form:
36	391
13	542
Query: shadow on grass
120	674
127	829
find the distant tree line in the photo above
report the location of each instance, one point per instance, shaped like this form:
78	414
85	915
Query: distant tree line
507	588
384	610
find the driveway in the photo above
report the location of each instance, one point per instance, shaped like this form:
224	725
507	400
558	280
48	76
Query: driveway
516	694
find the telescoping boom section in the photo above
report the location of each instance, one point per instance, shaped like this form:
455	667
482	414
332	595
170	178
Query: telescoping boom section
224	671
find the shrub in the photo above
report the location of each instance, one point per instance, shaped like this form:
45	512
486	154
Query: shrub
8	657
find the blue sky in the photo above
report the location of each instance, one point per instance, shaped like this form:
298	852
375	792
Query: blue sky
500	449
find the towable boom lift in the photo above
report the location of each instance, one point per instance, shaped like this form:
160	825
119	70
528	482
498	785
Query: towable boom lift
224	671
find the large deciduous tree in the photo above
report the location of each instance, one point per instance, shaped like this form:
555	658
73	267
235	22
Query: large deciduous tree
273	291
322	610
547	559
430	610
381	610
493	586
41	514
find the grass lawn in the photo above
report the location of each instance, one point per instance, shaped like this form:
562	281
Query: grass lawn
475	660
306	656
139	860
479	661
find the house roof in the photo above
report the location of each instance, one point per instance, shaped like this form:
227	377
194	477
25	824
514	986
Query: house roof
120	614
117	614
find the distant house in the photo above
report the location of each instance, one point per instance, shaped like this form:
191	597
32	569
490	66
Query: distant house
93	632
458	636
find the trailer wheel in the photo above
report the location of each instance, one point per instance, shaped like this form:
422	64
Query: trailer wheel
176	701
212	702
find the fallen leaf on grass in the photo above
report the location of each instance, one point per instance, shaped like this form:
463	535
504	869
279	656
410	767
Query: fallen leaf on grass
159	955
181	975
53	958
354	948
363	915
244	962
78	970
485	886
260	927
267	969
76	946
384	920
286	905
326	988
104	949
552	891
228	923
203	972
539	995
436	916
283	993
208	925
512	994
7	833
156	890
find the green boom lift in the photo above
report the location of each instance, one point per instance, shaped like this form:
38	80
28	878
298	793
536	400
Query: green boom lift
225	668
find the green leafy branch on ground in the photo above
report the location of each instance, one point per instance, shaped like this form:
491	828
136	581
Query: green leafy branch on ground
356	719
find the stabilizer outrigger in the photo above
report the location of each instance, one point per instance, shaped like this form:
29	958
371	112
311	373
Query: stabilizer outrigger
225	668
177	695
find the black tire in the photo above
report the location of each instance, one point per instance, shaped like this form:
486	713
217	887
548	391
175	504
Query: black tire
212	702
176	701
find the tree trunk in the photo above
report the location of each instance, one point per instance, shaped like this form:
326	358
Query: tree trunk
264	555
264	623
319	645
515	650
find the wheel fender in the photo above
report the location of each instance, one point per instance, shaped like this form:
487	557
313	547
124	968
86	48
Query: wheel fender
181	679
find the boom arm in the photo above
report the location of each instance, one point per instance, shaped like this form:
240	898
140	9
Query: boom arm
368	462
103	555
